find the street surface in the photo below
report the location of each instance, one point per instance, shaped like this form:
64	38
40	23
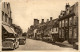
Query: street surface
41	45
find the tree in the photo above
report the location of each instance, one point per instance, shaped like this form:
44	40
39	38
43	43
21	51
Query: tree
17	29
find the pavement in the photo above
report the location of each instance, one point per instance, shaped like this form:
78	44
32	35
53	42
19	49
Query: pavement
65	43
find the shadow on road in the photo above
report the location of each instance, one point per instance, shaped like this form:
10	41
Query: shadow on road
58	44
61	45
7	50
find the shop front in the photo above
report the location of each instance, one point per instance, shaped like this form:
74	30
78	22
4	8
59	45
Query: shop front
6	31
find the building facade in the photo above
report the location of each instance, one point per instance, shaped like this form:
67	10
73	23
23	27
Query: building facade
68	23
63	28
6	20
6	14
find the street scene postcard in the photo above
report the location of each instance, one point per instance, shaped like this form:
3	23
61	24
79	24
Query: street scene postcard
39	25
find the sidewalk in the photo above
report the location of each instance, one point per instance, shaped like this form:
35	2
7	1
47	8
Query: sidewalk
65	43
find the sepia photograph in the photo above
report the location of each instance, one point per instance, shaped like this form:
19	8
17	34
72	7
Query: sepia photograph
36	25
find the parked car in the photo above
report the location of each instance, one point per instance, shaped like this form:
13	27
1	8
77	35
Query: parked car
47	38
22	40
24	34
11	42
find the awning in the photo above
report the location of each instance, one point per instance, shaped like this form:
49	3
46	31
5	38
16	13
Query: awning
8	29
13	31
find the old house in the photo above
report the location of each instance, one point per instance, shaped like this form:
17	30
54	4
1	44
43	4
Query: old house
68	23
6	20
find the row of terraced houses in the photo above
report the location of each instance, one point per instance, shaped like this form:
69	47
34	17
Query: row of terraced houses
65	27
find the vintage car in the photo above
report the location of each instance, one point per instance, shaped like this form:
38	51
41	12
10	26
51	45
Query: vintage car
22	40
11	42
47	38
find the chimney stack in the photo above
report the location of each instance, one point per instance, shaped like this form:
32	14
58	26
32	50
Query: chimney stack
36	21
42	20
47	20
50	18
67	6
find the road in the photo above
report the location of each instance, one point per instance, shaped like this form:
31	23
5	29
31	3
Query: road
41	45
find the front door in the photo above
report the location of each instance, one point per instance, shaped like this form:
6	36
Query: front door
66	34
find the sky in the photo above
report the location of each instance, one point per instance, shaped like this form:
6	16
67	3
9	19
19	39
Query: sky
25	11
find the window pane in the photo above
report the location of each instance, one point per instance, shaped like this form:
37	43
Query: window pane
62	33
59	33
70	32
70	21
62	23
75	20
75	33
66	22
